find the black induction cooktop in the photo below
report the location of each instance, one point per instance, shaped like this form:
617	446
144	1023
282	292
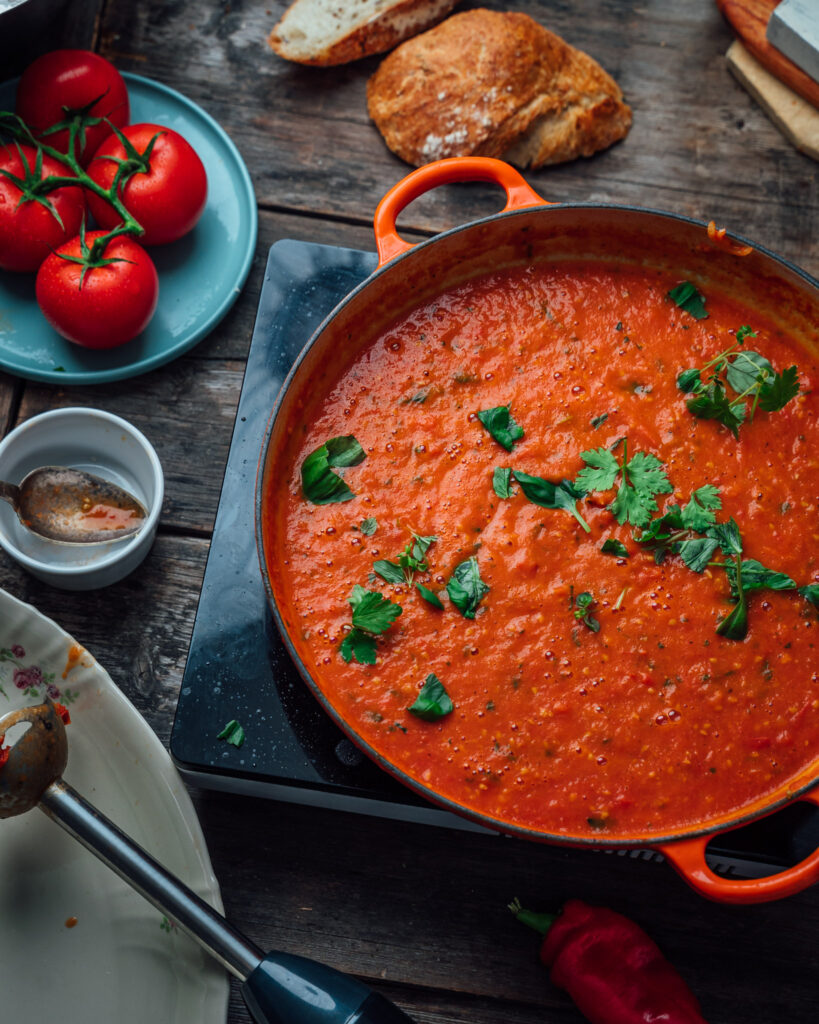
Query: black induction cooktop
238	668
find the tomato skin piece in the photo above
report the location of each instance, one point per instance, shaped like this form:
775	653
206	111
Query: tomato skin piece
28	231
169	199
72	78
113	304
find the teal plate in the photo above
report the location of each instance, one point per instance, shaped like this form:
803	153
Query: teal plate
200	276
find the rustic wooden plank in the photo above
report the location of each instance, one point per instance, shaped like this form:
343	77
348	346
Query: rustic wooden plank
10	389
695	148
71	23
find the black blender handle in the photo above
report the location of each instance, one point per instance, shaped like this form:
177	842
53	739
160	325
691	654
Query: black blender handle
289	989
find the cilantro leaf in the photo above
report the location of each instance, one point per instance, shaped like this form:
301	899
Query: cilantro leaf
698	514
233	733
466	589
501	425
368	526
601	470
502	482
746	370
429	596
319	484
390	572
359	645
776	393
433	702
614	547
688	298
372	612
563	495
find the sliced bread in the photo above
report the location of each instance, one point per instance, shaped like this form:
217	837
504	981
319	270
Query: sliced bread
496	84
325	32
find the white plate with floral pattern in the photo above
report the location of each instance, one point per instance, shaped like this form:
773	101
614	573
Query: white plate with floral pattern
76	944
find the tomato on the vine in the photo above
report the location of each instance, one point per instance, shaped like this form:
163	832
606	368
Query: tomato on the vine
98	306
167	200
63	82
33	222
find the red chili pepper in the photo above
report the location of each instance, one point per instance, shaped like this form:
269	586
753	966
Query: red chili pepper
612	970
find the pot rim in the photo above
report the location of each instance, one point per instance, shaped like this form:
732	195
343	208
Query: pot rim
742	817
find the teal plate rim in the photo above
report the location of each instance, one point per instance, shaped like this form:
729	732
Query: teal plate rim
214	314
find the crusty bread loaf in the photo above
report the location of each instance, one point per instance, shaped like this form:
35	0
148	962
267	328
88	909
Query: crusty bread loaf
327	32
494	84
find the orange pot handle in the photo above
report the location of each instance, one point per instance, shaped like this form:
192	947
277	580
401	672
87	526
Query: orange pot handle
688	858
445	172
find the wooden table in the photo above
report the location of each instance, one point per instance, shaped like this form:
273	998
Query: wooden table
417	911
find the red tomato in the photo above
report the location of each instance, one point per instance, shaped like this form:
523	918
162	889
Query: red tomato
108	305
167	200
72	79
29	231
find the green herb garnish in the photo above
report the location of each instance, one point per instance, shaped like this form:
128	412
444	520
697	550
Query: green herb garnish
319	483
501	425
372	615
581	607
368	526
429	596
688	298
232	733
466	589
614	547
433	702
811	594
641	478
598	421
562	495
502	482
411	560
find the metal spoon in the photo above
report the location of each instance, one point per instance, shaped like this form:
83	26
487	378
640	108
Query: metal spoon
74	507
279	988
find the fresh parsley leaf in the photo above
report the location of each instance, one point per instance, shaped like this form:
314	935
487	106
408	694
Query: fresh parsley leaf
466	589
811	594
563	495
711	403
433	702
728	537
776	393
598	421
735	625
368	526
501	425
756	577
689	380
359	645
746	370
600	473
614	547
233	733
429	596
420	546
583	604
390	572
372	612
319	483
502	482
688	298
696	552
641	477
698	514
745	332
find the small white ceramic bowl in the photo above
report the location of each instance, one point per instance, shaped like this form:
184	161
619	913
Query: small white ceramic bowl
99	443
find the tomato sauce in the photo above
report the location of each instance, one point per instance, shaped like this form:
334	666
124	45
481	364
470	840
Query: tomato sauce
654	723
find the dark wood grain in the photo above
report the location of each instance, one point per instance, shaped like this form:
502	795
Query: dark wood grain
419	912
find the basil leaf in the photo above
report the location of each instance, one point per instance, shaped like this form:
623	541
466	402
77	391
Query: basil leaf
696	552
688	298
433	702
389	571
429	596
359	645
563	495
466	589
501	425
747	370
369	526
372	612
319	483
502	482
614	547
232	733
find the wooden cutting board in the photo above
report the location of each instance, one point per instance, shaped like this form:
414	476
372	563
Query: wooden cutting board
749	19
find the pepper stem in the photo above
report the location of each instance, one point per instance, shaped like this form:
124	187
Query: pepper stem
540	922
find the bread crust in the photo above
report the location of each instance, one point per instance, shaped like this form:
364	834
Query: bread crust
386	28
494	84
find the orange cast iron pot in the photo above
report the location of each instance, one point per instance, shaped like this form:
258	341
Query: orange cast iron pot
528	229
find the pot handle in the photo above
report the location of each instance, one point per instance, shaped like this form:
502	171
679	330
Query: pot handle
688	858
445	172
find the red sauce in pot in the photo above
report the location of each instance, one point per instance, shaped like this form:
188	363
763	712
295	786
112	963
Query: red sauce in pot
652	724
